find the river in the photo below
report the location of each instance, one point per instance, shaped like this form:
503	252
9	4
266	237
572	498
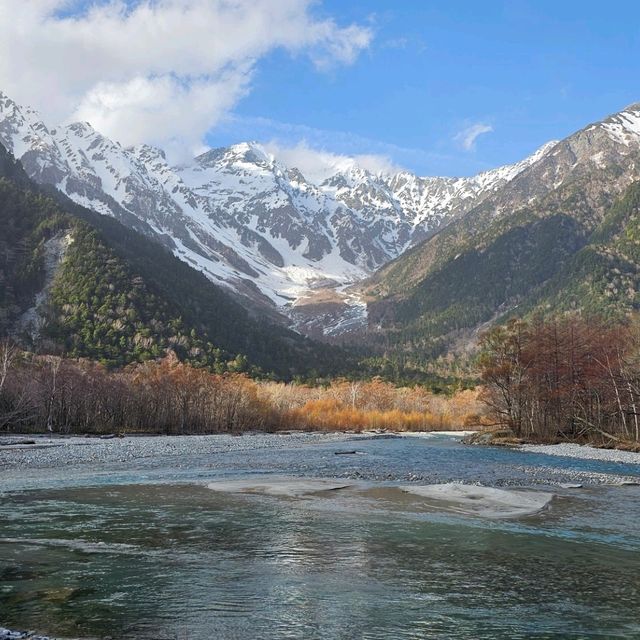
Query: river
156	546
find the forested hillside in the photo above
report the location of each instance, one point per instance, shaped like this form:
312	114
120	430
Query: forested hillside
82	284
602	278
563	235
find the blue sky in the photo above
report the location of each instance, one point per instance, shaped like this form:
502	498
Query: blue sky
439	87
530	70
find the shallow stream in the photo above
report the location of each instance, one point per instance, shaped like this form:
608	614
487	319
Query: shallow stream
146	549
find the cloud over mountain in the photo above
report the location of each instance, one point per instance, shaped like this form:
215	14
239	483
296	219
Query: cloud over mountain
318	164
468	136
161	71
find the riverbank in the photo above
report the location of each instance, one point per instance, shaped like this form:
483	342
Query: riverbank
45	451
57	452
584	452
504	437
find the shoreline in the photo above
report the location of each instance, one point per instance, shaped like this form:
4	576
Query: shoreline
16	442
43	443
583	452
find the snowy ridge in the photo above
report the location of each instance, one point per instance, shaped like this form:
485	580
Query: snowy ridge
624	127
242	217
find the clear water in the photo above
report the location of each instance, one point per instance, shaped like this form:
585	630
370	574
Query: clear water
150	552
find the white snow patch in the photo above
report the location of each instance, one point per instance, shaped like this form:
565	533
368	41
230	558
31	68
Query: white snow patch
624	127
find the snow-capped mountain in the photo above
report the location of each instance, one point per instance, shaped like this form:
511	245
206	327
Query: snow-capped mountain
241	216
561	235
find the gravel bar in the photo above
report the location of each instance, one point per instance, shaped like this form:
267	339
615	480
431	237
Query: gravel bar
56	452
583	451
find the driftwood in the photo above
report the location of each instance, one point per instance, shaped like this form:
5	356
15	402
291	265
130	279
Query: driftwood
593	427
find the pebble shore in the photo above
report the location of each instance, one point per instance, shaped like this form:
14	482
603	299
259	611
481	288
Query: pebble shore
56	452
585	452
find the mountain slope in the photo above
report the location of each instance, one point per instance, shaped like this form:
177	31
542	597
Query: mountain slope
81	282
604	276
502	252
240	216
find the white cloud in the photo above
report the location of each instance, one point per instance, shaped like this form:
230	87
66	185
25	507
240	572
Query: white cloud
317	165
287	137
159	71
468	136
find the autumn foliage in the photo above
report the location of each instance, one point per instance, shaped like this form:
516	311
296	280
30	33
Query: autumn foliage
564	379
47	393
378	405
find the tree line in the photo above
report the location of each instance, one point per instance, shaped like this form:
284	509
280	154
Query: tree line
569	378
46	393
547	380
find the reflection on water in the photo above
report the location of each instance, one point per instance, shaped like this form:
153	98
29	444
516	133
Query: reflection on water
181	561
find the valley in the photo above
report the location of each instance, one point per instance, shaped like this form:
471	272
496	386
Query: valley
319	320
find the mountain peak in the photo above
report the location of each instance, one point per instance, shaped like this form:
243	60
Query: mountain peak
635	106
4	98
242	217
81	128
251	152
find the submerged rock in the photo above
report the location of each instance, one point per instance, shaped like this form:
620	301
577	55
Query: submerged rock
60	595
290	487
